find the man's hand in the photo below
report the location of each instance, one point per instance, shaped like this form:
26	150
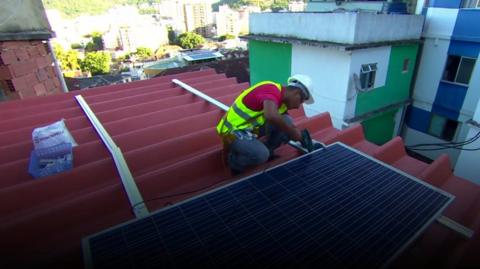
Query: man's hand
295	135
270	110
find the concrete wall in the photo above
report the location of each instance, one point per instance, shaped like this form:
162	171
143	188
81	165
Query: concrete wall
387	27
343	28
18	16
432	64
473	93
380	56
440	23
467	164
329	69
338	28
392	86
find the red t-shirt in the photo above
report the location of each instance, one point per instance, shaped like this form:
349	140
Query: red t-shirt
254	100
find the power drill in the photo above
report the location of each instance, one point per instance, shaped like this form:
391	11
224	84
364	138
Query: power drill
307	142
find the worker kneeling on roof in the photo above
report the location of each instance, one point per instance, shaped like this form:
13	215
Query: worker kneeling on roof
261	111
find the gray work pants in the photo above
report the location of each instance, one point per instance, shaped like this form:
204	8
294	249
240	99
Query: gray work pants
248	151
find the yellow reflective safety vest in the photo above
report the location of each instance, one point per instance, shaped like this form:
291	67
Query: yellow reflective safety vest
240	117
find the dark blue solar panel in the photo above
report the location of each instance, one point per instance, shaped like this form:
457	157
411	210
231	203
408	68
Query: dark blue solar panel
332	208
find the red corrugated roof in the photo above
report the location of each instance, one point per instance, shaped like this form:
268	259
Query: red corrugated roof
168	139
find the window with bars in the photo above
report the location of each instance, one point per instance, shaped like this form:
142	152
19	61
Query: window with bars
459	69
471	4
367	76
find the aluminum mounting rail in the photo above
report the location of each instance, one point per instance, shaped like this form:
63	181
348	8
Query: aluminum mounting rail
455	226
224	107
134	196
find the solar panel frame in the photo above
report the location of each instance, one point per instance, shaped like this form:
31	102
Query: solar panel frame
86	241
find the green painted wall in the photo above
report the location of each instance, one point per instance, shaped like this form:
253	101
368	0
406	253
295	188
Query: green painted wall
269	61
379	130
397	88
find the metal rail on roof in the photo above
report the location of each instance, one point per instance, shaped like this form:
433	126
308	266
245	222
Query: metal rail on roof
134	196
224	107
200	94
455	226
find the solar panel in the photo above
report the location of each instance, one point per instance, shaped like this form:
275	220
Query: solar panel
201	55
330	208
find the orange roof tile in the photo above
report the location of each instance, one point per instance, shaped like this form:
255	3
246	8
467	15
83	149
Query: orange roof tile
168	139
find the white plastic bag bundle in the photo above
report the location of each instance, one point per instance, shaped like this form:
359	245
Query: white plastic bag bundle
52	135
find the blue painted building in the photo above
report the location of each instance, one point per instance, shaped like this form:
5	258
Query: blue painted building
447	89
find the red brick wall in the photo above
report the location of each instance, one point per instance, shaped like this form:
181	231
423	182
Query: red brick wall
26	70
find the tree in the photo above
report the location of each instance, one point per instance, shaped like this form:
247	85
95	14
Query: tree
279	5
190	40
226	37
143	52
97	62
77	46
68	59
96	44
71	60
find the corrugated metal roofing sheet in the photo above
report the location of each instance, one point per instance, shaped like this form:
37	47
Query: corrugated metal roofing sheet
168	139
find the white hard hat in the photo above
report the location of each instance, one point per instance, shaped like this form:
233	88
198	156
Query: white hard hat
304	83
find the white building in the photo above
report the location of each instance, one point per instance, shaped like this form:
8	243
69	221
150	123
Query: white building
296	6
173	13
145	33
446	96
199	17
244	17
121	27
227	21
361	64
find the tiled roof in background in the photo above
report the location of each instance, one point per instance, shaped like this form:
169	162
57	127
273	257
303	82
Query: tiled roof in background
168	139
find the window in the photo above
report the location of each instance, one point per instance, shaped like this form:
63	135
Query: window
471	4
406	63
458	69
442	127
367	76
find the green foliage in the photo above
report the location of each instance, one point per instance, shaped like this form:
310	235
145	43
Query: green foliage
226	37
75	8
68	59
190	40
97	62
97	40
77	46
143	53
96	44
279	5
